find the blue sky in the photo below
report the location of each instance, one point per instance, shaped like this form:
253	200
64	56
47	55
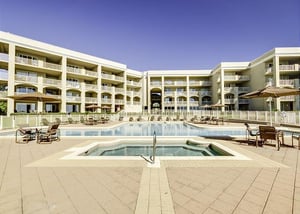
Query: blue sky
158	34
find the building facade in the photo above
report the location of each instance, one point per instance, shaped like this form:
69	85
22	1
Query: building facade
79	80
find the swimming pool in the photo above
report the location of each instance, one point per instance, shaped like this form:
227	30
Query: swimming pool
161	129
137	149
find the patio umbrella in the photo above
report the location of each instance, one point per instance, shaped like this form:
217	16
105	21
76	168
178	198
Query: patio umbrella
106	108
217	106
271	92
93	107
34	96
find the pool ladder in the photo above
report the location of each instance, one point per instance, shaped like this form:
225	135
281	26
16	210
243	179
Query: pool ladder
152	158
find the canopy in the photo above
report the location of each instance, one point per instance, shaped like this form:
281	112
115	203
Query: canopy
34	96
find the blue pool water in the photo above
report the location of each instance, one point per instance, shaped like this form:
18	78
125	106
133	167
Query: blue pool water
147	129
161	129
161	150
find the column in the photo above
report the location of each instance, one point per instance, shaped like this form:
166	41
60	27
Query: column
11	78
63	85
99	85
162	94
276	79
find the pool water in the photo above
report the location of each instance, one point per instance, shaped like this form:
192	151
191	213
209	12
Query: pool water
161	150
161	129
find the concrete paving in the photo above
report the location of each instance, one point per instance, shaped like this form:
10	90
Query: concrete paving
34	179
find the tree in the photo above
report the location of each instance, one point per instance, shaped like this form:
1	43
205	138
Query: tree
3	107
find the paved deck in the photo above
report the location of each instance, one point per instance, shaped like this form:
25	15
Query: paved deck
33	179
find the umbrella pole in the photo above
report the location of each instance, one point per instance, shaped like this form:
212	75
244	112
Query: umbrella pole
270	110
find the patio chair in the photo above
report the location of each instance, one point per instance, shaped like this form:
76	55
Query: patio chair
71	121
24	135
296	135
250	132
49	135
270	133
45	122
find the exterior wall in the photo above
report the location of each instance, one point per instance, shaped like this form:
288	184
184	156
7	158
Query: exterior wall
80	80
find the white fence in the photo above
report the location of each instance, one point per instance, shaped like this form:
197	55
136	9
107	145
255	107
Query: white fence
291	118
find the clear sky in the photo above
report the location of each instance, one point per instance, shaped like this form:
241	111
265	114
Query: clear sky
158	34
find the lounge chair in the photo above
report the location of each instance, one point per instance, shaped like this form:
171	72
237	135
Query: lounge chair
71	121
270	133
49	135
250	132
296	135
45	122
24	134
130	119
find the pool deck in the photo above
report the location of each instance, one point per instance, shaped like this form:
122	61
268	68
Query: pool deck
33	179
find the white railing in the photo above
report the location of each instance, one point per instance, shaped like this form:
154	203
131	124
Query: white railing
287	82
71	84
90	73
229	101
136	93
3	94
26	61
4	57
91	99
53	82
205	93
24	78
287	98
181	93
121	90
119	101
106	101
155	83
106	88
91	87
294	67
194	103
52	65
73	99
236	78
194	93
133	83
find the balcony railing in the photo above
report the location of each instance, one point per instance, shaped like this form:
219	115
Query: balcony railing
290	82
194	93
73	99
52	82
236	78
169	103
106	101
181	103
37	63
106	89
119	101
52	65
120	90
155	84
3	94
294	67
287	98
91	87
243	101
133	83
112	77
136	93
181	93
73	84
230	101
4	57
25	78
194	103
91	99
205	93
136	102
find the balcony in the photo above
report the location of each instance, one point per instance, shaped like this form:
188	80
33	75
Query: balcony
243	89
243	101
112	77
194	93
175	83
136	103
107	89
106	101
206	93
26	79
169	103
269	70
287	98
73	99
181	93
119	101
81	71
91	87
294	67
71	84
3	57
37	63
236	78
194	103
52	82
119	90
155	84
134	83
136	94
290	83
3	94
91	99
230	101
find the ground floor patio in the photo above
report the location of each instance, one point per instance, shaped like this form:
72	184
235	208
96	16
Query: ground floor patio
34	179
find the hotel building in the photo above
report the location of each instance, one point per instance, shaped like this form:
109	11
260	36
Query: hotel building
78	80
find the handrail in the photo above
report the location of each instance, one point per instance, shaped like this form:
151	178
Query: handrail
152	158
